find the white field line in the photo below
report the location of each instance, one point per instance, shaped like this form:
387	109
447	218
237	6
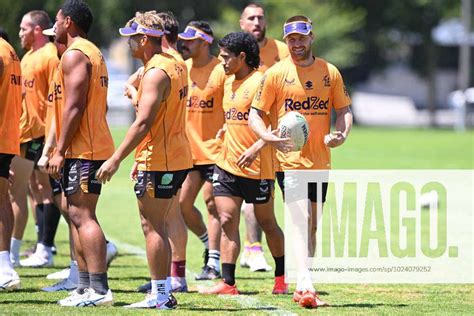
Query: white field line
245	301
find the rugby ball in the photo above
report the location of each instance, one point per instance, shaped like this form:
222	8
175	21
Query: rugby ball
293	125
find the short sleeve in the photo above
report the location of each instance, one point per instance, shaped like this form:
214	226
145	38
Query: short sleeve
266	93
340	94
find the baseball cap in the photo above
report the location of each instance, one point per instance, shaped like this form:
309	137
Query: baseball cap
50	32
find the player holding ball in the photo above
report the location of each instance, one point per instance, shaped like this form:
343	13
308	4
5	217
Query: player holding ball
312	87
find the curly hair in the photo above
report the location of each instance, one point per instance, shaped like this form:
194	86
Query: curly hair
79	12
238	42
149	19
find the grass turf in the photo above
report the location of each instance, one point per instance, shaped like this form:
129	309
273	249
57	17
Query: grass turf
367	148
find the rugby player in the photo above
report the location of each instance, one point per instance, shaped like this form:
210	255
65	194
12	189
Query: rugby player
37	67
252	20
10	110
84	142
177	230
244	169
305	79
204	118
163	155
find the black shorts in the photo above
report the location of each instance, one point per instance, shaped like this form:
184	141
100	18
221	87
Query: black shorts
159	184
251	190
312	188
81	173
5	161
55	186
33	149
206	171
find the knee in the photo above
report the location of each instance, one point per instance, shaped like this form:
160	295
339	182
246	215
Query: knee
268	225
227	221
211	205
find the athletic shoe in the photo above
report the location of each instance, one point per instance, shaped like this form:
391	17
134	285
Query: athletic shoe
208	273
60	275
54	250
10	283
37	261
170	303
221	288
87	299
148	302
64	285
257	262
145	288
112	252
245	256
29	252
179	286
280	286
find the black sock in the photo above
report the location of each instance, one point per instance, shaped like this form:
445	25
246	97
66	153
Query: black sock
279	266
99	282
50	223
39	220
228	273
84	282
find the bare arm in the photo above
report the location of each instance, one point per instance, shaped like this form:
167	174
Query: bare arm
49	145
76	70
343	128
154	86
1	68
257	125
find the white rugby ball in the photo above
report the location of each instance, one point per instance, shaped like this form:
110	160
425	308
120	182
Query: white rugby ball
293	125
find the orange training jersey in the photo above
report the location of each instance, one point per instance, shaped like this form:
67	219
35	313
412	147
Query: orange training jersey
55	95
271	53
238	95
92	140
204	114
10	100
37	68
165	147
313	91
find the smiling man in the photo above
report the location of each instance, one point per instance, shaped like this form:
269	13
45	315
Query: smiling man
298	79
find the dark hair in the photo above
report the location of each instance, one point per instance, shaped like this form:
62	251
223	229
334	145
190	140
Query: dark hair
203	26
79	12
40	18
171	25
238	42
4	34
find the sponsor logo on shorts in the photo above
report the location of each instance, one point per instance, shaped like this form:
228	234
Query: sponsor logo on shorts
165	186
166	179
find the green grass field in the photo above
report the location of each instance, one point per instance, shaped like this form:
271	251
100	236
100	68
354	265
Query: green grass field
367	148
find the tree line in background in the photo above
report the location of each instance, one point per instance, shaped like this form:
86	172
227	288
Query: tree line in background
358	36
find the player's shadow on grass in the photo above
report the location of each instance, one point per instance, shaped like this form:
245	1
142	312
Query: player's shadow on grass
131	278
255	278
39	302
134	291
225	309
367	305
